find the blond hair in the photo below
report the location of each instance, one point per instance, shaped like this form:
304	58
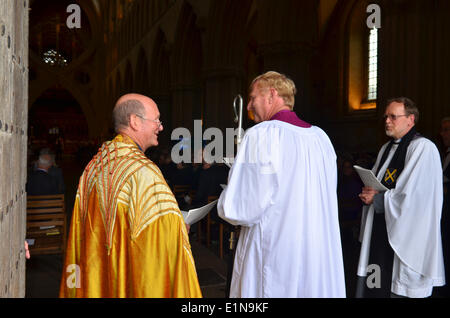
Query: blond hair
281	83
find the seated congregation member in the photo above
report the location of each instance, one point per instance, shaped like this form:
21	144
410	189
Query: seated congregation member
211	176
54	170
40	181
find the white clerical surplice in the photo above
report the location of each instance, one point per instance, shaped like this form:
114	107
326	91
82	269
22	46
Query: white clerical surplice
282	191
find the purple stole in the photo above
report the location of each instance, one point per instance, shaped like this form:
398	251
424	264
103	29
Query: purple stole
290	117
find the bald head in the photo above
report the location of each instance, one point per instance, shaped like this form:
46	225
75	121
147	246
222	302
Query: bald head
137	116
128	105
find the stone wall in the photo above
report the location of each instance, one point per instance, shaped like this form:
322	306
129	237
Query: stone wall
13	144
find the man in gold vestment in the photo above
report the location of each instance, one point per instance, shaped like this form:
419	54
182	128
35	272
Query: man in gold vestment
127	236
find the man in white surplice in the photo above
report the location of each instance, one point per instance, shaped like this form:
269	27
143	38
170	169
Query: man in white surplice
407	216
282	191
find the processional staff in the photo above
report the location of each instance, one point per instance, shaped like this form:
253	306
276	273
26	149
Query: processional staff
235	229
238	120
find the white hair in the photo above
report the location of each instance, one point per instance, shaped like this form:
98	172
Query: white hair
45	160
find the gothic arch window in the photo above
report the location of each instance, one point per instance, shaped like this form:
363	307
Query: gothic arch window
362	60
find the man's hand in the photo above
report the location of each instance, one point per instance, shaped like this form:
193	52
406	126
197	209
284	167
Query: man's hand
188	227
27	251
367	195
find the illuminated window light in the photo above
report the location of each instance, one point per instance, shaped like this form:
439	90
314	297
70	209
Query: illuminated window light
373	65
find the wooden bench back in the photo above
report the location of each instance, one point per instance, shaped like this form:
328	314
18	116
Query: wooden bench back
46	223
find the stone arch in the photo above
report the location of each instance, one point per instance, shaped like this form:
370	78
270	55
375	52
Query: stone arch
49	120
78	95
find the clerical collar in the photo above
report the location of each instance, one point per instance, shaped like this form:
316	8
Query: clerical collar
397	141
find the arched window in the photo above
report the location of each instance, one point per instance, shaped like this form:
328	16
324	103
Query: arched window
373	65
362	60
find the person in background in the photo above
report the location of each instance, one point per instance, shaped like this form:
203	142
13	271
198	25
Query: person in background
401	227
40	181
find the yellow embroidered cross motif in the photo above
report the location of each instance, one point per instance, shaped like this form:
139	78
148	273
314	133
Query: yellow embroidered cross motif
390	175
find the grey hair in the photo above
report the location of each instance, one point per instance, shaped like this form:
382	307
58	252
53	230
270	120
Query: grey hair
123	111
48	151
45	160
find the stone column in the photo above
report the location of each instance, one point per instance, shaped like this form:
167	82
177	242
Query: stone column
220	89
186	99
293	60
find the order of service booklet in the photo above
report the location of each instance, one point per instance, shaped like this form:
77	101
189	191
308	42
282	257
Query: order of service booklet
369	179
196	215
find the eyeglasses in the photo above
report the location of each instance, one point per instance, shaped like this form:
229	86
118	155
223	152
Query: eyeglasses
392	117
157	121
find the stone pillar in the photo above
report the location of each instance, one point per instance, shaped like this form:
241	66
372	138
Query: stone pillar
221	87
13	144
293	59
186	106
288	38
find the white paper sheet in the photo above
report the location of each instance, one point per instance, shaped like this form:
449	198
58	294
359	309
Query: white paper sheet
228	162
196	215
369	179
